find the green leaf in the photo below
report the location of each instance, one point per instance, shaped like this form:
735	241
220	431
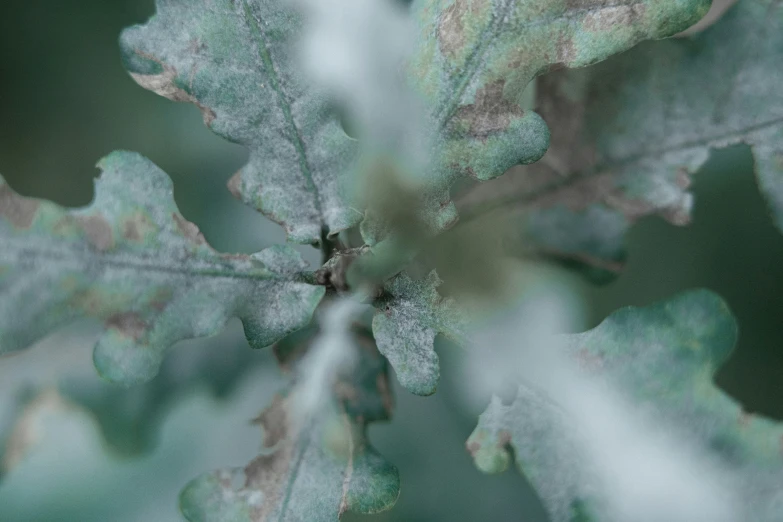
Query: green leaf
663	359
410	314
473	60
311	471
131	260
629	132
233	59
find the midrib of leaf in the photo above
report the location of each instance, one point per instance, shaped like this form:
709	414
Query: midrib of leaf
349	468
734	136
303	445
282	98
474	63
128	262
488	36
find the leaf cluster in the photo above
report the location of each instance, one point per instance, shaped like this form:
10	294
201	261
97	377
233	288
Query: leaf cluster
626	136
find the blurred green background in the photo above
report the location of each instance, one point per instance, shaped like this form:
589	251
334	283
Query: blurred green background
65	102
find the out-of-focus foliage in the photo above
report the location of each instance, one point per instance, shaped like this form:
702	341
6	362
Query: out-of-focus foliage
629	133
131	260
313	467
130	418
662	359
216	57
473	59
87	481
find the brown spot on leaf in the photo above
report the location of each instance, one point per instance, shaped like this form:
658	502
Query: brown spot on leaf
473	448
137	227
504	438
566	52
676	215
130	231
489	114
235	184
129	324
610	17
268	473
452	34
346	393
163	84
451	31
382	383
18	210
98	231
188	229
161	299
274	421
28	430
588	360
744	418
683	179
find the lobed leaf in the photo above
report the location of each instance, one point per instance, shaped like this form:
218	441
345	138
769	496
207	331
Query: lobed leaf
629	133
131	260
313	470
410	314
233	60
474	59
662	358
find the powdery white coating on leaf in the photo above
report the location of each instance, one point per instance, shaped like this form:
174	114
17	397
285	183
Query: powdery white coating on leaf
233	60
717	89
639	430
473	59
409	317
629	133
131	260
313	469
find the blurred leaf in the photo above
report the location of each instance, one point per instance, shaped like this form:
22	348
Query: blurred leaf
131	260
662	358
25	433
473	60
629	132
314	469
233	60
410	314
130	419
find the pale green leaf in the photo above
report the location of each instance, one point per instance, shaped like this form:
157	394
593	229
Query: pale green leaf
132	261
410	314
311	471
663	359
629	132
473	60
234	60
